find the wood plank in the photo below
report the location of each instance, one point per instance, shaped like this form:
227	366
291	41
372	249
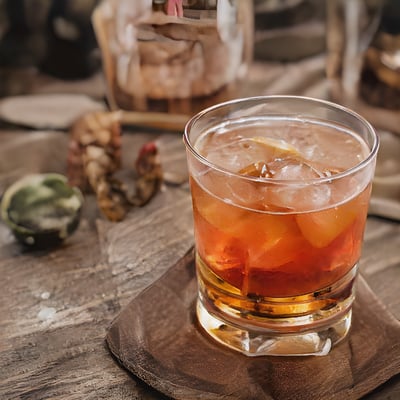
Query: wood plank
56	306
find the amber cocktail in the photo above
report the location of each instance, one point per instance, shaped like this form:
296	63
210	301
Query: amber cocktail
280	189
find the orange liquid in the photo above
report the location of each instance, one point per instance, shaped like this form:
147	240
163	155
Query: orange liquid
267	254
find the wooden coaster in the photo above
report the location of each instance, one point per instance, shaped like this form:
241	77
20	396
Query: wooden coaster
156	337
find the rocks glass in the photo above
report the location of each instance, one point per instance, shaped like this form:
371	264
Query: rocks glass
280	189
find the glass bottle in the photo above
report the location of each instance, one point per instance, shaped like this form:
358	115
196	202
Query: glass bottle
363	61
173	56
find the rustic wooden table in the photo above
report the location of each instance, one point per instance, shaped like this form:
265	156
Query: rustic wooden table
56	306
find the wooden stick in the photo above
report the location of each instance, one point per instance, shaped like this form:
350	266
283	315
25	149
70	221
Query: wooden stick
168	122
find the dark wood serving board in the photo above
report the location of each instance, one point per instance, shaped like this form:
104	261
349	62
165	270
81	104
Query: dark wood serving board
156	337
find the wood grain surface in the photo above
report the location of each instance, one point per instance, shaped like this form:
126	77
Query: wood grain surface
56	306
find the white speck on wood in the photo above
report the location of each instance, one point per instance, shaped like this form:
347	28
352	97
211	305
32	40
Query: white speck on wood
45	295
46	313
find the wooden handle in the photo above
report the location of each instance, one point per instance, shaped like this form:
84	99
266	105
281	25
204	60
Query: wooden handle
169	122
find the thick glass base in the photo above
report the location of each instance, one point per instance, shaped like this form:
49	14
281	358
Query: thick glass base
310	324
259	342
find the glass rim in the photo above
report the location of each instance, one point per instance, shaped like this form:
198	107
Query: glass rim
268	98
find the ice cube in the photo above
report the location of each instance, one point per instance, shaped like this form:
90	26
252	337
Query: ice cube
246	194
240	152
258	169
301	196
321	228
293	168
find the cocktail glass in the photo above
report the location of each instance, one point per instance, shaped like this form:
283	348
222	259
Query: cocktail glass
280	188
